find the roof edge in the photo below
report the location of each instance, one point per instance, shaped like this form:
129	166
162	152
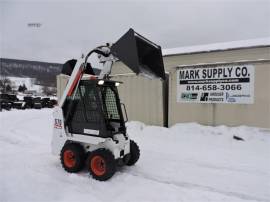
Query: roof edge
215	47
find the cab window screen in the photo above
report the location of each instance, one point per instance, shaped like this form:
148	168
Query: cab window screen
110	103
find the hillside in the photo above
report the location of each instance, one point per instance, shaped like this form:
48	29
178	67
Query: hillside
43	72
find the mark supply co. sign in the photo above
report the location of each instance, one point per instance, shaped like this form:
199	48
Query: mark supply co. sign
218	84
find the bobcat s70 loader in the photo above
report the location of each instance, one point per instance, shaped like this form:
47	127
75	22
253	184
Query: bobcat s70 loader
89	122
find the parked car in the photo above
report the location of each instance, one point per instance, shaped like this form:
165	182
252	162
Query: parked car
45	102
37	103
53	103
16	103
48	103
28	102
4	102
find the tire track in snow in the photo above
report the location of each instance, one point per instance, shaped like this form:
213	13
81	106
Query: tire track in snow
225	168
10	127
188	185
14	127
22	122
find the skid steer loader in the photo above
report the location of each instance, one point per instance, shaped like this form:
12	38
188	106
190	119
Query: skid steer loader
89	122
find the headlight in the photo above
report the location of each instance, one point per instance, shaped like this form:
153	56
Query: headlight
117	84
101	82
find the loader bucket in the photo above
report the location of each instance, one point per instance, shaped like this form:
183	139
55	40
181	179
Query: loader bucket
140	55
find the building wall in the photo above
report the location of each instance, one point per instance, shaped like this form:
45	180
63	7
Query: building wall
142	97
257	114
61	82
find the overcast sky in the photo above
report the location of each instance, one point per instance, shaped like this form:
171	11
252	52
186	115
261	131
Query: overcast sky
70	28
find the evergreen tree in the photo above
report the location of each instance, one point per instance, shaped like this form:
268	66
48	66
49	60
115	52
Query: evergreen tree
8	88
20	89
24	88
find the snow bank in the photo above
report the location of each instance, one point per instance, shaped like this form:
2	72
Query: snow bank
187	162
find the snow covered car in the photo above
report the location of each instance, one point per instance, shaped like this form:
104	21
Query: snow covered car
16	103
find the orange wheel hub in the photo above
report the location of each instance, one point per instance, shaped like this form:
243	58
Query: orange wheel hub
69	158
98	165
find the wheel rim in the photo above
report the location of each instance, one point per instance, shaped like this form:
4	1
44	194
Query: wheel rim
98	165
69	158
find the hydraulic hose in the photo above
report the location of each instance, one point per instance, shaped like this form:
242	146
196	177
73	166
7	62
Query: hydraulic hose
96	50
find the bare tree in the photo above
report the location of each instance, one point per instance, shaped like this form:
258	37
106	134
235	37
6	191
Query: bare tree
5	84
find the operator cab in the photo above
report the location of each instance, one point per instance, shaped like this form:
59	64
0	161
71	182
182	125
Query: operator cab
94	109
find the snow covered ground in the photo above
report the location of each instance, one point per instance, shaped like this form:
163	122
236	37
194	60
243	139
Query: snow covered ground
185	163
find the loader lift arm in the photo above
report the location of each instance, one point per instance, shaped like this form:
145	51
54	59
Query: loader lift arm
138	53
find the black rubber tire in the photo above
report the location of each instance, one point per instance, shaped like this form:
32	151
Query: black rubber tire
79	157
109	164
134	153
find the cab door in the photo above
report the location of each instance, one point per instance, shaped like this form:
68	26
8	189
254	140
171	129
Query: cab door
87	117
